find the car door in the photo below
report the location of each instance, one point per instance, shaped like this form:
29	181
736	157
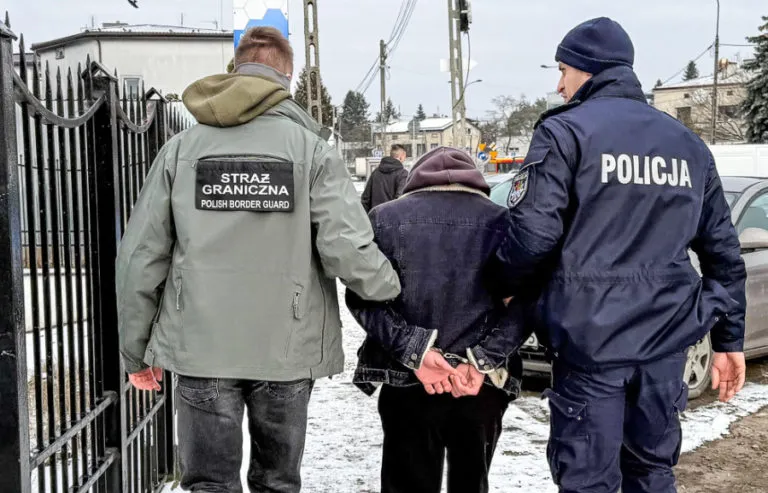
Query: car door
755	215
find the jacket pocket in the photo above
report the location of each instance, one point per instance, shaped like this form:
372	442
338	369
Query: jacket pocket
568	451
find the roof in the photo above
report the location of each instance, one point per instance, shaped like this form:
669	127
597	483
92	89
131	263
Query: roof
427	125
143	31
738	77
30	57
738	183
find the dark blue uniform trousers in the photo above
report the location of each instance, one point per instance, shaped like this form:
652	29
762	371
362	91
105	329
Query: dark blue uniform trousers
616	428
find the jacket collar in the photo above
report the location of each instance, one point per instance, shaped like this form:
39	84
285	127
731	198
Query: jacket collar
455	187
615	82
264	71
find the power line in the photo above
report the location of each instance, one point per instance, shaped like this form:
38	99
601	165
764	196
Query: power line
686	65
403	18
404	26
466	79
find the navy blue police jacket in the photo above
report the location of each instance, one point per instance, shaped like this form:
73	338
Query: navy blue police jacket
611	197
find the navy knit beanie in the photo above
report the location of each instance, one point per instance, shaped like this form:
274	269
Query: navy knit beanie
596	45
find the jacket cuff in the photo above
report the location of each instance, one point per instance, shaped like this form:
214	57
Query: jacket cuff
728	347
479	359
420	343
482	361
131	366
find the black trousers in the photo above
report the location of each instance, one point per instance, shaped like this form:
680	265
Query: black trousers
420	428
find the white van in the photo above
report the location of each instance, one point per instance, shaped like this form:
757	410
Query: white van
741	160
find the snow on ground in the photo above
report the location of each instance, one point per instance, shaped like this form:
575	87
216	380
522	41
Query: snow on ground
344	437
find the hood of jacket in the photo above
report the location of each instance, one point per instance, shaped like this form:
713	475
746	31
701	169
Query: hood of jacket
229	100
445	166
390	165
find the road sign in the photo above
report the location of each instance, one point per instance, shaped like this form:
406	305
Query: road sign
253	13
482	156
378	153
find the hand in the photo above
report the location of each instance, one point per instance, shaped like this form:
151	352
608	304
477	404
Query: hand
148	379
469	381
729	371
434	373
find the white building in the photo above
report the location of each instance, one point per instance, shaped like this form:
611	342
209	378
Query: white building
429	134
167	58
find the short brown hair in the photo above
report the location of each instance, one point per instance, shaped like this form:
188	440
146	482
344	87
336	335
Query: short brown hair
397	149
265	45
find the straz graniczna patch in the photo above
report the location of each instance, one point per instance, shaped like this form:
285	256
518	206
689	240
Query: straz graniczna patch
245	184
519	188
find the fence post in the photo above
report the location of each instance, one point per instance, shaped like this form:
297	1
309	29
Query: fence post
166	436
108	233
14	411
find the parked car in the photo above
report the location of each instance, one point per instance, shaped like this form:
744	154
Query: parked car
748	199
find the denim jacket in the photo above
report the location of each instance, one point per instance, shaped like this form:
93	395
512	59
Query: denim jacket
441	241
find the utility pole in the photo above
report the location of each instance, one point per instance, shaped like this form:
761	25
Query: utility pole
457	9
717	68
312	51
383	73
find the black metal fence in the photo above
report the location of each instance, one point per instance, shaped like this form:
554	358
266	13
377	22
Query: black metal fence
73	157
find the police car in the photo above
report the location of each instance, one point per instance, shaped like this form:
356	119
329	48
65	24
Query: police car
748	199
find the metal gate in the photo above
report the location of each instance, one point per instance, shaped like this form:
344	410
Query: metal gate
74	151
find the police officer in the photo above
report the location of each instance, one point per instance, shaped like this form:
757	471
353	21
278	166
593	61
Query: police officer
611	197
226	273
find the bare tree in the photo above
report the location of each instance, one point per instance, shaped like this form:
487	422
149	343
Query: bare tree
515	117
730	124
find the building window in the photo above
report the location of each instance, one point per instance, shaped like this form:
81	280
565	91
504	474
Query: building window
433	146
729	93
435	136
686	96
729	111
60	53
684	114
132	85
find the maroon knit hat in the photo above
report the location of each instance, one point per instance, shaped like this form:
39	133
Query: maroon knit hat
445	166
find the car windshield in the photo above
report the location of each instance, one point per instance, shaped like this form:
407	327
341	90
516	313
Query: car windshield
500	192
731	197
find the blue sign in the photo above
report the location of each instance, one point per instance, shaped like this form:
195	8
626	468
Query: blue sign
482	156
255	13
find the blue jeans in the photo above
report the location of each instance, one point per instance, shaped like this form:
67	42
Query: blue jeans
210	430
617	428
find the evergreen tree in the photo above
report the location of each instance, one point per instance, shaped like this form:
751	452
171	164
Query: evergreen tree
420	115
390	112
325	98
756	104
353	122
691	71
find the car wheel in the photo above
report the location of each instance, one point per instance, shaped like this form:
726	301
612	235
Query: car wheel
698	368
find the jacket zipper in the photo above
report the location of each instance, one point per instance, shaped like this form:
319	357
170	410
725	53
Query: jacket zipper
178	295
296	299
240	157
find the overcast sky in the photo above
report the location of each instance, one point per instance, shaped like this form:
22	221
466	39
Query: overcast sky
510	39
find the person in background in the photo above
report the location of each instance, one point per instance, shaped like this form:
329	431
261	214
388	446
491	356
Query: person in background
387	180
226	273
446	348
612	195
